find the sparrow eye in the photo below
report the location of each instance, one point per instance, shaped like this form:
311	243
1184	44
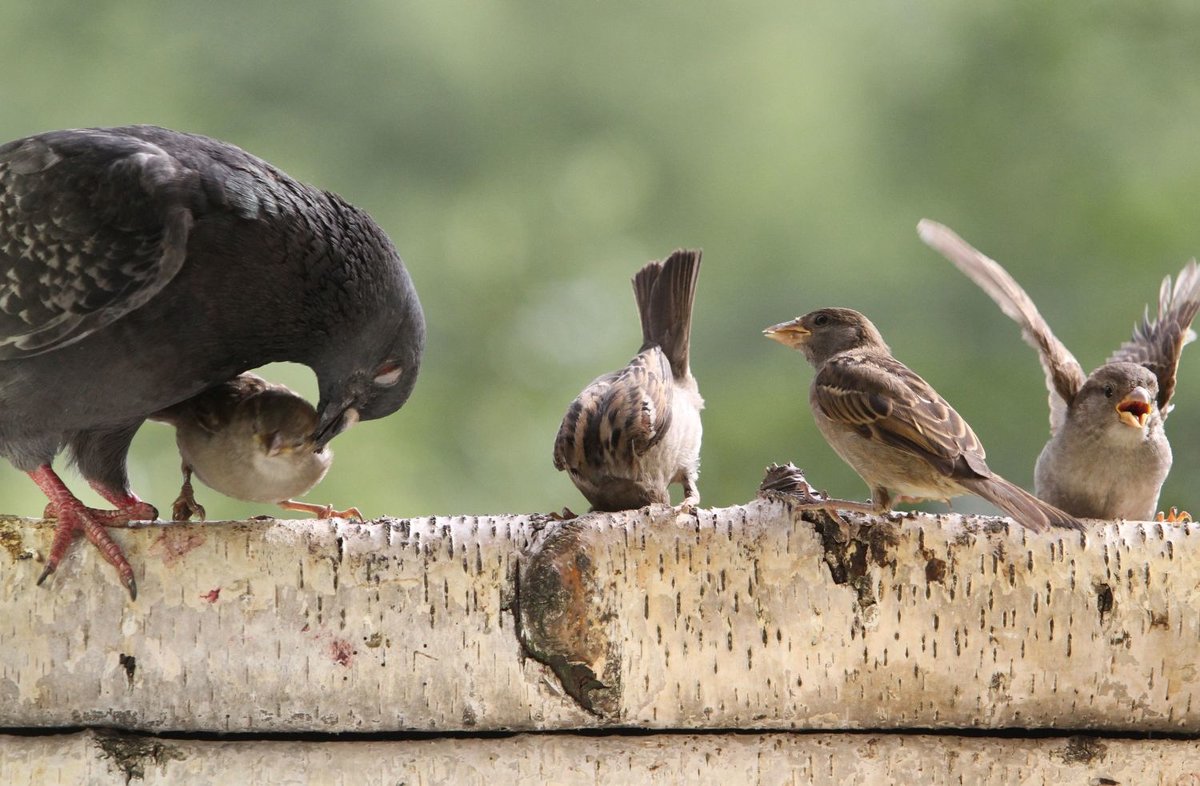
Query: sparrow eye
821	319
1108	391
387	375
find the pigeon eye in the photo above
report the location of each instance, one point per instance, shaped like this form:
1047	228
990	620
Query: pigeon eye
387	375
1108	391
821	319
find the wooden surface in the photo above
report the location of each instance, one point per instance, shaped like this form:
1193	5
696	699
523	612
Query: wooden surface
748	617
570	760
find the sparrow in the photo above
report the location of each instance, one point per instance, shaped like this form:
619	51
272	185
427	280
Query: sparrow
140	266
252	440
1108	455
892	427
632	433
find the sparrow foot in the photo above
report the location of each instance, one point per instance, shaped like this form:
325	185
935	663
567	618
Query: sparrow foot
1174	516
321	511
186	505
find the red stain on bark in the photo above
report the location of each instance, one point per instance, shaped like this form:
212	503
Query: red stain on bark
212	595
174	543
341	651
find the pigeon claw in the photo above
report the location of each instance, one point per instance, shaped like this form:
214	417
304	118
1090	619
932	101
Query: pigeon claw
73	519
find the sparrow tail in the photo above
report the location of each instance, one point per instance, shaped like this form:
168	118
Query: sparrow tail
665	292
1027	509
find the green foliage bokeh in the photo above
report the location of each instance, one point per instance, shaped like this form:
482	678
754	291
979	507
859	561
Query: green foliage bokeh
527	157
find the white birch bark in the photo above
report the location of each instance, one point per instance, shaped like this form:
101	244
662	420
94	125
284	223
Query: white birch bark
745	617
569	760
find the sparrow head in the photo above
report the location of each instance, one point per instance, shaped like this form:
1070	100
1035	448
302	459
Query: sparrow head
1120	395
283	422
827	332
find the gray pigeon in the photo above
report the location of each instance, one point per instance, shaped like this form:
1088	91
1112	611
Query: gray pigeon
1107	456
140	266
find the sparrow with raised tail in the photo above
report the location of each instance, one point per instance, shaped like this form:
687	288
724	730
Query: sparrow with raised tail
632	433
1108	454
891	427
252	440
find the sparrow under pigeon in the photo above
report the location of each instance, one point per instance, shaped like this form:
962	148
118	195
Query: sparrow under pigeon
252	440
632	433
892	427
1108	454
140	266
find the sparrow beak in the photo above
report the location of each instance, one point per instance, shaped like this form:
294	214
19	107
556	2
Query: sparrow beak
791	334
1134	409
332	423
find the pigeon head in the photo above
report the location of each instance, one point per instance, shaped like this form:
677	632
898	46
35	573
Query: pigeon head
367	367
373	381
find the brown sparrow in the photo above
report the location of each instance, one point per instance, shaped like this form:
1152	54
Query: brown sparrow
251	440
633	432
891	427
1108	454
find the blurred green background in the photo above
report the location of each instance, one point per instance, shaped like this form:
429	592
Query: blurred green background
528	157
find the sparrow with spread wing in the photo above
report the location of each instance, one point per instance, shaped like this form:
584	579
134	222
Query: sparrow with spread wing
892	427
632	433
1108	454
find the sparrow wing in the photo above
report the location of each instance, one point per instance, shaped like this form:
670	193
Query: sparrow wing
1157	343
1064	375
618	417
884	400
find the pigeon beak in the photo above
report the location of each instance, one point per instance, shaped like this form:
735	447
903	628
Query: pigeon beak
1134	409
332	423
791	334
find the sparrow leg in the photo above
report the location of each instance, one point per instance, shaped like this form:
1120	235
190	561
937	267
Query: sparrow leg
321	511
74	517
186	505
881	502
691	495
1174	516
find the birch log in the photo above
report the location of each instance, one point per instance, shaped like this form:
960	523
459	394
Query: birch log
744	617
569	760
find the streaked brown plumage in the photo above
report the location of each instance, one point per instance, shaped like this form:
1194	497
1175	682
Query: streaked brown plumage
1108	455
632	433
249	439
891	426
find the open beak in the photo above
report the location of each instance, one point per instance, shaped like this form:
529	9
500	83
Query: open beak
1134	409
332	423
791	334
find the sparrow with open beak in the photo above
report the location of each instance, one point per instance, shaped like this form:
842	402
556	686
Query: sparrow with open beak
1108	454
251	440
632	433
892	427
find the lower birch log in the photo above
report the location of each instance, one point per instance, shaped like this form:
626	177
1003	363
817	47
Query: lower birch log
568	760
744	617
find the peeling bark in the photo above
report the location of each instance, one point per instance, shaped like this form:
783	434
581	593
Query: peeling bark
568	760
744	617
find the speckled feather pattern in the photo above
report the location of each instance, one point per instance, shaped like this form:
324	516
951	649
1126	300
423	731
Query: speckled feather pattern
633	432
